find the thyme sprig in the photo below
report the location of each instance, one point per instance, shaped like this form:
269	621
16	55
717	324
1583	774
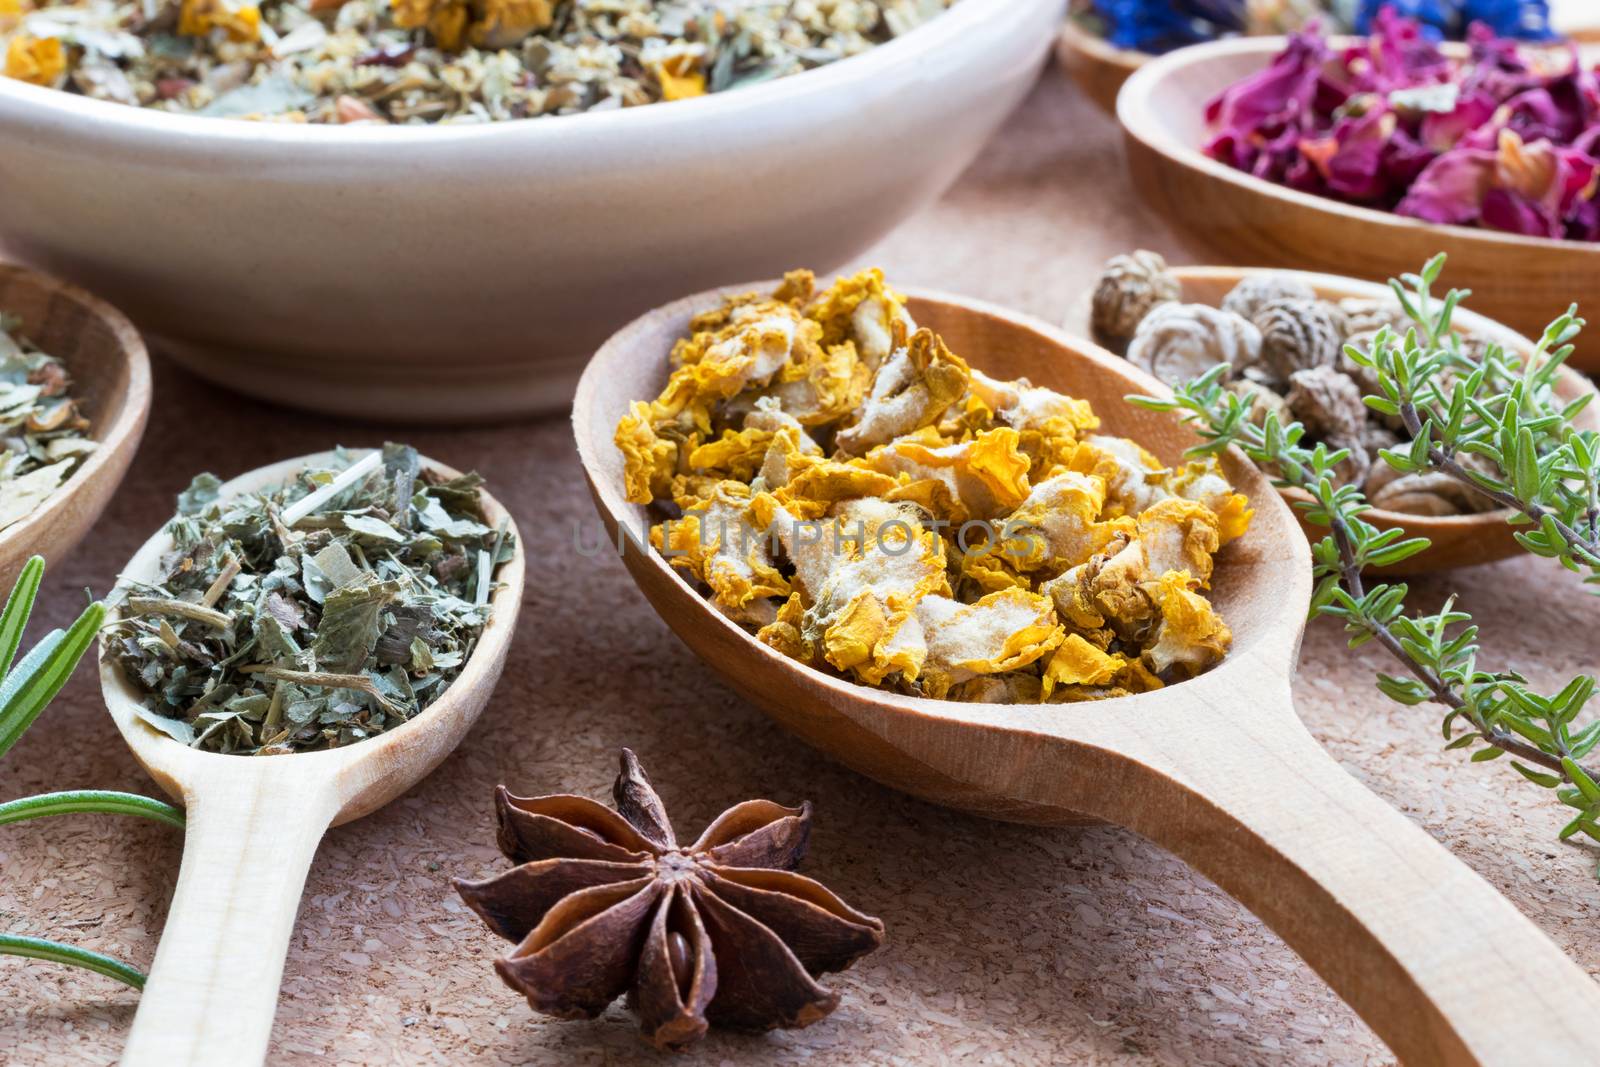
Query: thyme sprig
1490	419
25	690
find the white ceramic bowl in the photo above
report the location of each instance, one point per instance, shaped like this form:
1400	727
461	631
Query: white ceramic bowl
454	273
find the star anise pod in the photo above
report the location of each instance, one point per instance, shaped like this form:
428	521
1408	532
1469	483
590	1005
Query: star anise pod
723	931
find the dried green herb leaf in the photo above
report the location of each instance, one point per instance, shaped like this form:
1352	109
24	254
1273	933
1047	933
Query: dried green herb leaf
352	623
313	615
43	436
201	494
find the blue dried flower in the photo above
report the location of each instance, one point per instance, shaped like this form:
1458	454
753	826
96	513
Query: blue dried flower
1162	25
1527	19
1524	19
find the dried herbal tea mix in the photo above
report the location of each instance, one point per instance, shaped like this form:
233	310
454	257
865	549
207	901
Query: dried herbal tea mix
425	61
315	614
846	487
1285	348
44	438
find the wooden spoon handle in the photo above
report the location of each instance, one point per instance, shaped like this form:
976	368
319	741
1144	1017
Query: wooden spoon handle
1441	966
213	988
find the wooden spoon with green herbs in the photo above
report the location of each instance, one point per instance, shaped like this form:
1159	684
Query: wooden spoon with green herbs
254	821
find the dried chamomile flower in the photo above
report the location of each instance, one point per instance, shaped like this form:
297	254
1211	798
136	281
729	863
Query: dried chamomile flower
716	543
849	490
1129	287
1063	514
1256	291
44	436
1298	335
1180	342
861	310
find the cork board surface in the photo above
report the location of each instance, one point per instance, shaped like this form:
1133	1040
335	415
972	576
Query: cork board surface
1006	944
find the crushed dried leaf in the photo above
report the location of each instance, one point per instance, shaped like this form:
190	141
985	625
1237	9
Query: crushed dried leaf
44	435
284	621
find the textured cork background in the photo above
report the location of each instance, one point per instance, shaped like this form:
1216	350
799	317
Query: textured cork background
1006	944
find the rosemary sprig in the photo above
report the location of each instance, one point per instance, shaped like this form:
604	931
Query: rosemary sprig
1495	405
100	801
25	691
39	949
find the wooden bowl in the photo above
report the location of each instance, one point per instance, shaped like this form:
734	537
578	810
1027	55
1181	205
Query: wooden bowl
1524	282
1218	769
254	824
111	375
1458	540
1099	68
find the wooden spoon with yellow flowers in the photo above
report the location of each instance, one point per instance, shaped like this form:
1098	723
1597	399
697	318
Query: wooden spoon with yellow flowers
767	443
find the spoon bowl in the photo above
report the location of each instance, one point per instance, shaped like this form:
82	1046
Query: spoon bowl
111	378
1218	769
1457	540
254	824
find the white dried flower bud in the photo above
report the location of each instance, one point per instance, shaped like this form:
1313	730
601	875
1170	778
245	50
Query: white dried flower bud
1264	401
1180	342
1298	335
1366	316
1329	405
1129	287
1259	290
1424	493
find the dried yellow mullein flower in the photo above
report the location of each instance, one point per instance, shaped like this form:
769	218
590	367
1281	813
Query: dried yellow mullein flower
36	60
445	20
844	486
197	18
504	23
680	78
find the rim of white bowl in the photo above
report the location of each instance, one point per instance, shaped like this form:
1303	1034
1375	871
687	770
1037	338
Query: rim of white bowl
953	24
1135	95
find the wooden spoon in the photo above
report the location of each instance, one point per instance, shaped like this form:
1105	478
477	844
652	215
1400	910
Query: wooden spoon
1097	66
1523	282
111	379
1219	769
254	825
1458	540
